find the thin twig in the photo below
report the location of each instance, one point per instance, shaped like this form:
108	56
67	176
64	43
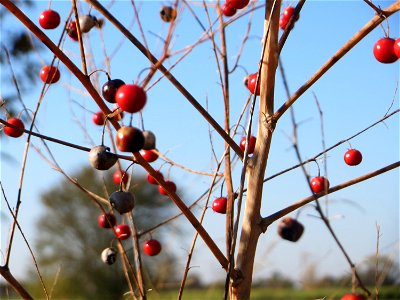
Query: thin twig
266	221
26	242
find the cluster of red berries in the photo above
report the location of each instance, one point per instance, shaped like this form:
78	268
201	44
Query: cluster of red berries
230	7
108	220
319	184
387	50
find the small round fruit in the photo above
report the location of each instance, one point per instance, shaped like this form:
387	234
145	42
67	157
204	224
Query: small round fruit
168	14
110	88
99	118
49	19
352	296
252	144
227	10
251	84
170	185
101	158
219	205
149	140
106	220
384	50
319	184
290	229
396	47
122	231
131	98
14	132
109	256
238	4
49	74
120	175
129	139
122	202
288	12
152	247
149	155
283	23
152	180
72	31
87	22
353	157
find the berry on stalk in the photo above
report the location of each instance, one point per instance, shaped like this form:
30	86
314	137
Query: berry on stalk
227	10
319	184
353	157
99	118
106	220
120	175
49	19
252	144
49	74
131	98
14	132
219	205
384	50
171	186
152	247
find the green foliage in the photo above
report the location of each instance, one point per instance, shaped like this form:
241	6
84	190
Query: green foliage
70	241
332	293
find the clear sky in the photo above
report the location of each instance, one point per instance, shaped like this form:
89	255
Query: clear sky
355	93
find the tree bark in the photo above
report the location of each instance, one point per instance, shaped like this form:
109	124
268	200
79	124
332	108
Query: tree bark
256	167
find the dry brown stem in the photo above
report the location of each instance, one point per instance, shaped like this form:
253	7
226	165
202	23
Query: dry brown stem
287	210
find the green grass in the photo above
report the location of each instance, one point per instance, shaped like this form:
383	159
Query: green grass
211	293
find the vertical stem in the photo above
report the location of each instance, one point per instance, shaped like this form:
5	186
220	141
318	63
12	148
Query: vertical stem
138	260
80	40
251	229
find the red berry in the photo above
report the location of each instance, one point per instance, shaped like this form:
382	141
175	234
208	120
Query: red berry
384	50
288	12
106	220
171	186
238	4
152	180
122	232
152	247
251	83
227	10
110	88
118	176
219	205
319	184
285	18
290	229
49	19
129	139
283	23
72	31
98	118
352	296
396	47
149	155
131	98
49	74
252	144
13	132
353	157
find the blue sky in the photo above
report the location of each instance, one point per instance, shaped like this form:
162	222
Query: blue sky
356	92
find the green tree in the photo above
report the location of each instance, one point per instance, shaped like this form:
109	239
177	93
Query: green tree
70	241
